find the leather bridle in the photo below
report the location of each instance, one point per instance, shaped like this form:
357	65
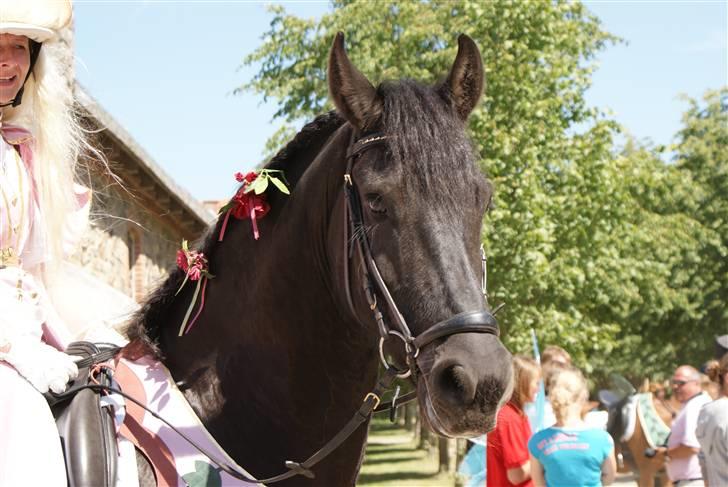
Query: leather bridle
479	321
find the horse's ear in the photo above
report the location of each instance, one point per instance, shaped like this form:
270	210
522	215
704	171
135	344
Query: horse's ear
464	84
353	94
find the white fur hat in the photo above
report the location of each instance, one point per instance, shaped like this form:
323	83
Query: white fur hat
39	20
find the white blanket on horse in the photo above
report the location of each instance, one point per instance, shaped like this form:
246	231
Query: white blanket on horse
630	418
176	462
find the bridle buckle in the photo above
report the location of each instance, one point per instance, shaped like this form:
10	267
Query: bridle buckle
377	399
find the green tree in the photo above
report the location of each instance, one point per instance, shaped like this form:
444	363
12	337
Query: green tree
702	163
652	239
575	243
680	217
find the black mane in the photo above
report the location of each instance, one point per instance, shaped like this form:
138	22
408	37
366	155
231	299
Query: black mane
145	325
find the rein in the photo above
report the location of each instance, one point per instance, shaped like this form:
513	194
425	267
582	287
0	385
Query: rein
478	321
370	404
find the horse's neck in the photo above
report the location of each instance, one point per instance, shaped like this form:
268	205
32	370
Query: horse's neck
298	288
664	409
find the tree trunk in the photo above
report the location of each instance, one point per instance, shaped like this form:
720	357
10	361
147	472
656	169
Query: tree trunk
443	447
410	416
424	442
461	448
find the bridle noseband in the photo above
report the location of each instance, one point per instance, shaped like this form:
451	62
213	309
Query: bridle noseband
480	321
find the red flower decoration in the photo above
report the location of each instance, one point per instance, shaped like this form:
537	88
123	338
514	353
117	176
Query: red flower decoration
250	200
248	203
194	273
182	260
248	178
192	262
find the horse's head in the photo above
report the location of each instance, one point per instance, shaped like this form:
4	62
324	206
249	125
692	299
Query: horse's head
421	199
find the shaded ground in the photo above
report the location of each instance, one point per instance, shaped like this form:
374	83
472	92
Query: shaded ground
393	459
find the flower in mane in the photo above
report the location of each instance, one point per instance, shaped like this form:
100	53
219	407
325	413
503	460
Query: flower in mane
195	266
250	200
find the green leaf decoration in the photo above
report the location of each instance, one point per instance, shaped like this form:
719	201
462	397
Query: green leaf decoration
187	276
205	475
261	184
279	184
230	204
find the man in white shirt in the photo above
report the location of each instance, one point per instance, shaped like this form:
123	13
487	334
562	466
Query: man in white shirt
683	466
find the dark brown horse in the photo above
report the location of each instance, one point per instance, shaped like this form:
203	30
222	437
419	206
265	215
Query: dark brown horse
279	360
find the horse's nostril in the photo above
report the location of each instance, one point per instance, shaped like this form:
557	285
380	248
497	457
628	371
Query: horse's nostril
456	385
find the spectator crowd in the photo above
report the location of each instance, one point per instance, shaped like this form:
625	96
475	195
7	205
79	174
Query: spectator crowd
562	442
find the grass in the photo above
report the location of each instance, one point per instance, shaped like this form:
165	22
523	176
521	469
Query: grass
393	459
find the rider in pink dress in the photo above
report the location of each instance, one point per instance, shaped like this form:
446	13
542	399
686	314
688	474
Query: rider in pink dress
39	141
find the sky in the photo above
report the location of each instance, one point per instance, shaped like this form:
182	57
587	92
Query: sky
165	70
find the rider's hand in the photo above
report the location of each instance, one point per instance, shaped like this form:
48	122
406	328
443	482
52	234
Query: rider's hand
661	452
42	365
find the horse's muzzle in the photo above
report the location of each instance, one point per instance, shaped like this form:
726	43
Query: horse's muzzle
470	377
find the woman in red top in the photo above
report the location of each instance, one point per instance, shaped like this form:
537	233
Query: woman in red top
507	452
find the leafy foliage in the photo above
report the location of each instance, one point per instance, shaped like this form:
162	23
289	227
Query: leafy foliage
702	164
592	249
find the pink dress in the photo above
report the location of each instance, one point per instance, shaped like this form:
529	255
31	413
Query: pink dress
30	451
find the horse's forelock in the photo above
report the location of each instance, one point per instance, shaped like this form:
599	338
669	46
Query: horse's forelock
430	143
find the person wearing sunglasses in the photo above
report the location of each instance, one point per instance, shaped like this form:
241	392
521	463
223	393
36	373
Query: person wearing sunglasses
683	466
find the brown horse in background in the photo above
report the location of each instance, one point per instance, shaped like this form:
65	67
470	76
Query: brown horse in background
630	454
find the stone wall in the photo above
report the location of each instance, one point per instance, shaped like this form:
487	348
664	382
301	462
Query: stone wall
126	246
137	226
137	223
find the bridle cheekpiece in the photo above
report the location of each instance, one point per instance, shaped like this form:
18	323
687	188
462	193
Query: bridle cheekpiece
480	321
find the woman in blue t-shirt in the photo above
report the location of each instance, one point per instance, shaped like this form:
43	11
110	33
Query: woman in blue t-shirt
570	453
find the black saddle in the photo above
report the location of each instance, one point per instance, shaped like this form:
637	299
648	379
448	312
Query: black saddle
87	430
615	402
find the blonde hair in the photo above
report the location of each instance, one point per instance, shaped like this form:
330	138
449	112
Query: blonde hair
716	370
525	371
548	370
567	392
48	111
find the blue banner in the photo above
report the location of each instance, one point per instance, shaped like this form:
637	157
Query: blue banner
540	404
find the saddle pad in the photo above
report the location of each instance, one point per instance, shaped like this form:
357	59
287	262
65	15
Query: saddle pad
656	431
175	462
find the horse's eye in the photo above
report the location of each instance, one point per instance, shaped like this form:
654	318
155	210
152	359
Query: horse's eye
376	204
